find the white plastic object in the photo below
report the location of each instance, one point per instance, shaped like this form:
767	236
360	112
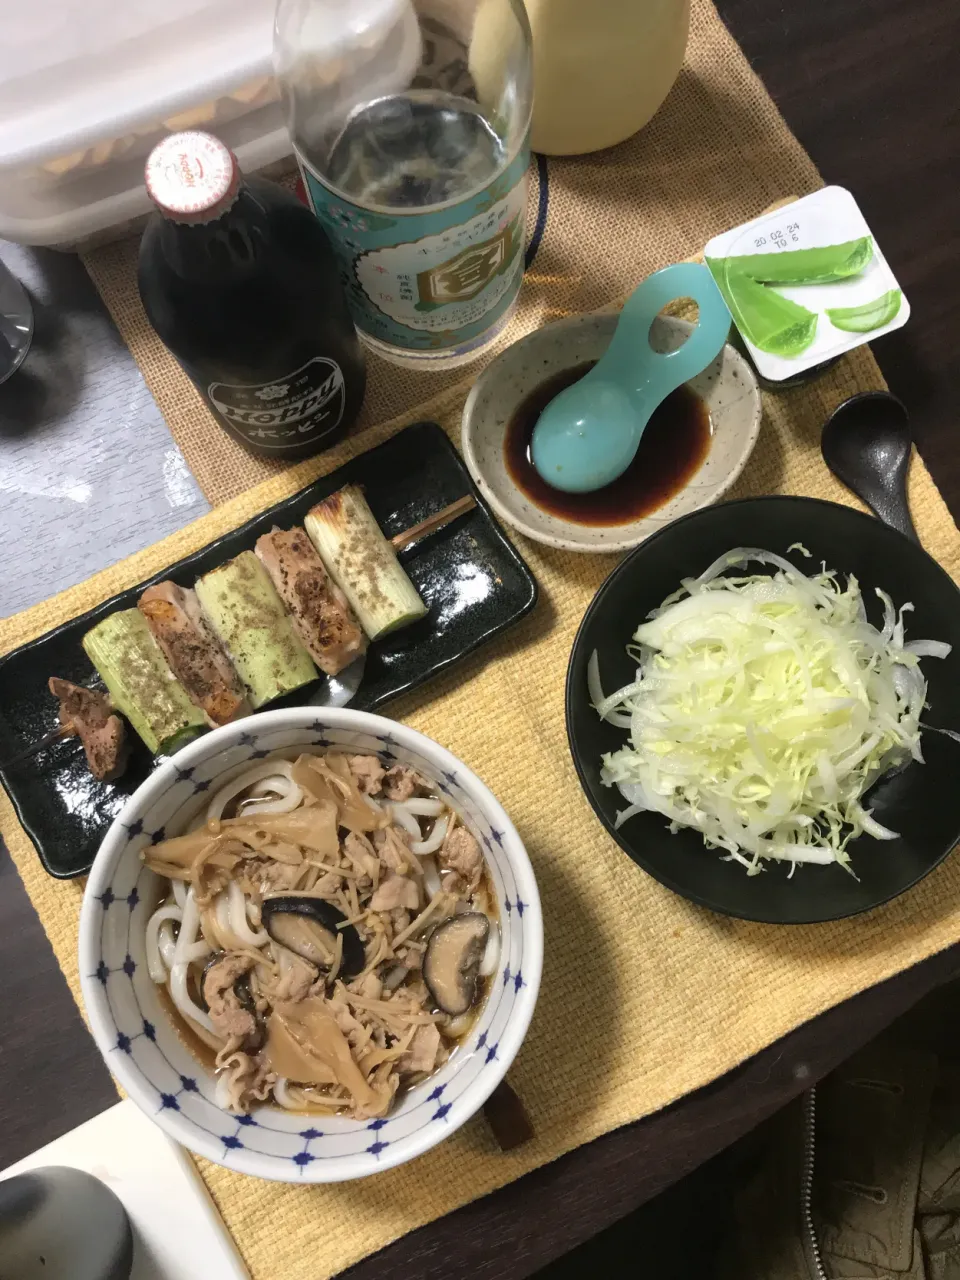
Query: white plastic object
89	87
601	69
825	217
178	1234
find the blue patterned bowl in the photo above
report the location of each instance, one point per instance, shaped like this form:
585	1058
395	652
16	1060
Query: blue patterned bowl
134	1031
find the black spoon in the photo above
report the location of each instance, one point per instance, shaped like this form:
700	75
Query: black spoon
866	444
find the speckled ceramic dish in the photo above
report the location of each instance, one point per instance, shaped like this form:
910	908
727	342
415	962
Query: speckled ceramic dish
728	387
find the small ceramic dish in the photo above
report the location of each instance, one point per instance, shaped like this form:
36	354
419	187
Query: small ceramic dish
728	388
138	1039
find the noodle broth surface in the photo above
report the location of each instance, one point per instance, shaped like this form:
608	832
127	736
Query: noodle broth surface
293	927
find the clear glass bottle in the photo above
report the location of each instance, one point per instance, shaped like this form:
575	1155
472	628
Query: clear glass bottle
410	120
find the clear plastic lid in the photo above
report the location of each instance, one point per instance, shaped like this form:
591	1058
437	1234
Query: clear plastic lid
74	71
88	87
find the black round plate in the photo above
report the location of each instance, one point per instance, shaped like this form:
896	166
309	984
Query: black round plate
922	802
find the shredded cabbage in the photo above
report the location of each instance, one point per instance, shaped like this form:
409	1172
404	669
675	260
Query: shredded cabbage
763	709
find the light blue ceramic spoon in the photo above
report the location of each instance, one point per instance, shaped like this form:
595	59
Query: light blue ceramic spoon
588	435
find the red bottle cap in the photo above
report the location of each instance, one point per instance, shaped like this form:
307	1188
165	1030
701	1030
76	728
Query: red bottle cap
192	177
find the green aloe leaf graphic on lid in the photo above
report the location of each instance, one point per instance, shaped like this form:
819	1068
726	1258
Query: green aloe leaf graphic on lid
780	326
821	265
869	315
766	318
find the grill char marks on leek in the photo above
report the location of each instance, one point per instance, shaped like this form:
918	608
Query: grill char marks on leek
362	563
249	619
140	683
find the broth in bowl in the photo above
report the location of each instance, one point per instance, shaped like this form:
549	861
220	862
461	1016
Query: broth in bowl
327	929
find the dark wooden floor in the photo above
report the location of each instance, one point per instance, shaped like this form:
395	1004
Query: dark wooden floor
870	88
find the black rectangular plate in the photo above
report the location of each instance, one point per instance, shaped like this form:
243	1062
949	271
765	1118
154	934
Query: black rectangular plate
469	574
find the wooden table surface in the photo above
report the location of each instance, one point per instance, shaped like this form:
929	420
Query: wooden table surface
870	90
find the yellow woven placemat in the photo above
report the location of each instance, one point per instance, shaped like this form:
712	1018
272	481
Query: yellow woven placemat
644	996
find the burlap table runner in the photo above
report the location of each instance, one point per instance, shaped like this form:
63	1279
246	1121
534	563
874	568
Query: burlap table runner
718	152
644	996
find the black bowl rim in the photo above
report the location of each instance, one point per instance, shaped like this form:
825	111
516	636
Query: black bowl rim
576	754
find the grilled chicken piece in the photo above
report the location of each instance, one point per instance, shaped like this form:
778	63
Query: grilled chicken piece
88	715
193	652
318	608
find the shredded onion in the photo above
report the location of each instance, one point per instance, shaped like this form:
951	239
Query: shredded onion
431	876
763	709
281	1094
456	1027
155	964
221	1093
188	951
287	796
238	919
420	807
491	952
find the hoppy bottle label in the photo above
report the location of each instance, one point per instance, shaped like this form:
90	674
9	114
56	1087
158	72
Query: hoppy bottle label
287	412
427	281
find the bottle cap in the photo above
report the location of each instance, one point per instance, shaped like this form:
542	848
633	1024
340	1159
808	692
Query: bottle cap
192	177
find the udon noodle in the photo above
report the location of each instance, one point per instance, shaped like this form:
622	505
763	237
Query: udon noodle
326	929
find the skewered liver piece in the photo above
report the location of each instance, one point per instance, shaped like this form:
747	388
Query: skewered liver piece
88	714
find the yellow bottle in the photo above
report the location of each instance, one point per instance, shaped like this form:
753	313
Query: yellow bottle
601	68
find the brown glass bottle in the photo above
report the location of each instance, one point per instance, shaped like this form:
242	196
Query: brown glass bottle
239	280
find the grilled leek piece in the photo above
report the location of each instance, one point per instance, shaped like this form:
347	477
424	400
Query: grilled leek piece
362	563
249	620
142	686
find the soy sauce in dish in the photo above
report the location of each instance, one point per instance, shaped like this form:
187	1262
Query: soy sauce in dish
674	445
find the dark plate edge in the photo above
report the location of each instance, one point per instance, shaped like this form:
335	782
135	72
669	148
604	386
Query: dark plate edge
575	754
509	549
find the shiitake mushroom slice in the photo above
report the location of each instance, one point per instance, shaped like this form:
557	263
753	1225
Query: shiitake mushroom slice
451	962
309	927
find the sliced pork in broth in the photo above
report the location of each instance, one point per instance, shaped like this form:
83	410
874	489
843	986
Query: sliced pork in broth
309	932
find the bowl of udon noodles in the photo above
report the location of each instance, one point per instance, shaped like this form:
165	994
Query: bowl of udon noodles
310	945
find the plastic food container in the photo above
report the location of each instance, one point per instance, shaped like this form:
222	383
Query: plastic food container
87	87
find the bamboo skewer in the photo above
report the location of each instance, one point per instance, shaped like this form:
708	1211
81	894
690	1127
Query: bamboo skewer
439	520
48	739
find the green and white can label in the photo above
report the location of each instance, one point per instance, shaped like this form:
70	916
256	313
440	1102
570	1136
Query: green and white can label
429	281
